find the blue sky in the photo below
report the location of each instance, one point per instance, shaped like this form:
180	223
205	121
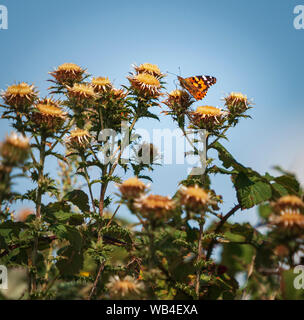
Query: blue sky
250	46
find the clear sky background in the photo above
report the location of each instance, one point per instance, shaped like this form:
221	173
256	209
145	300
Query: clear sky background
250	46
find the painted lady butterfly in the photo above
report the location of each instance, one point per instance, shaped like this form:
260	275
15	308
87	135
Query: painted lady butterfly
197	85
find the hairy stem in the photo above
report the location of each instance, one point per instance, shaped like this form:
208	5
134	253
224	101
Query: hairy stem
218	228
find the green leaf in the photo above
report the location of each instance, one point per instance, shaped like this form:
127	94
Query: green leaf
279	190
226	158
79	199
70	261
251	191
237	257
69	233
289	183
264	211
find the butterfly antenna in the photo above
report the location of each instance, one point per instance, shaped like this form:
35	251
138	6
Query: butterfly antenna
172	73
180	73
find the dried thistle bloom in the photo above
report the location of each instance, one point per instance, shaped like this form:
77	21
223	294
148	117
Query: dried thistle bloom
132	188
15	148
178	101
81	92
155	206
146	153
23	214
289	201
152	69
67	73
125	287
288	219
146	84
207	117
48	114
18	95
195	198
281	251
236	102
79	138
101	84
118	93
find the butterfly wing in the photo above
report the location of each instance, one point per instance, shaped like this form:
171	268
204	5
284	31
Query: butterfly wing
197	86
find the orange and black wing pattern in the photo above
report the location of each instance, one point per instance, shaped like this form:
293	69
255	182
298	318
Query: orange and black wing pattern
197	86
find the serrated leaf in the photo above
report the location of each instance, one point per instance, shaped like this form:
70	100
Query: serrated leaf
70	262
79	199
251	191
289	183
69	233
226	158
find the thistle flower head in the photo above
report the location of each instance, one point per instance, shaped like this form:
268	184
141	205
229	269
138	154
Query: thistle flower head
150	68
195	198
155	206
118	94
132	188
68	73
288	219
207	117
178	100
288	202
48	114
81	92
23	214
146	84
79	138
19	95
15	148
281	251
236	102
101	84
127	286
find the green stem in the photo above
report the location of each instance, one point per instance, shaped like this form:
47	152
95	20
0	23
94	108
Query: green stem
199	257
104	185
88	183
40	169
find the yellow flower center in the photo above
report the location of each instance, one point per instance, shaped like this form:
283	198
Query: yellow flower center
290	200
197	193
209	111
176	93
50	110
18	141
147	79
133	182
101	81
79	133
148	67
69	67
292	217
84	89
21	89
238	96
157	202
